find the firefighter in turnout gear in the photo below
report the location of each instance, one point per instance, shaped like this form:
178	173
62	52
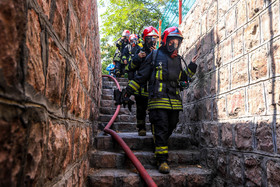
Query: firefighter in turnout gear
121	43
129	52
163	71
150	37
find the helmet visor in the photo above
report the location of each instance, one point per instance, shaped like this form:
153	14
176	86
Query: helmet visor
151	41
173	43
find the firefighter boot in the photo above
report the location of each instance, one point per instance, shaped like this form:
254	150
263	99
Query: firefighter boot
164	168
141	128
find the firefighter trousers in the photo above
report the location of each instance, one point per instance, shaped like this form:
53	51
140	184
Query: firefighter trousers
163	122
141	108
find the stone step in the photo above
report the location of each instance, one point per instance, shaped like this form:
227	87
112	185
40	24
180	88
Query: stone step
120	118
111	110
135	142
123	127
119	160
118	79
180	176
112	85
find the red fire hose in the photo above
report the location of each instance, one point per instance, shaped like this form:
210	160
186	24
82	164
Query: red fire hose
144	174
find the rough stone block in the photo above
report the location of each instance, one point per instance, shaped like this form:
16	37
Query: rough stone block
278	135
272	91
243	136
259	60
230	21
56	73
226	134
236	169
59	18
224	78
241	16
12	140
252	34
273	172
220	110
212	15
254	7
253	170
13	26
59	149
226	50
239	73
223	7
237	43
275	61
236	104
222	163
46	6
256	99
270	22
209	135
35	74
203	25
219	31
264	136
213	83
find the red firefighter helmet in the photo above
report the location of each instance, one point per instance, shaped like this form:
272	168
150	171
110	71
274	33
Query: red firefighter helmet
171	31
149	31
133	37
126	33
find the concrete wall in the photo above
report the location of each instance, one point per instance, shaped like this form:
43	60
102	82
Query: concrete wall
232	108
50	85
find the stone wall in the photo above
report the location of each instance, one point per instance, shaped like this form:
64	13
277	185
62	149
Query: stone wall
232	107
49	90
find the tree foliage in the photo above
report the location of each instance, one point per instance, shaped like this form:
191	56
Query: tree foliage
120	15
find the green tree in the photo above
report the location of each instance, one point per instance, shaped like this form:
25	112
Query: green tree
132	15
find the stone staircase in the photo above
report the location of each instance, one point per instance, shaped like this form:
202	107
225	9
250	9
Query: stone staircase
111	167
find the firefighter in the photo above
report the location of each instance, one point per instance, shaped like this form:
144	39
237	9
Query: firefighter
163	71
129	52
150	37
120	44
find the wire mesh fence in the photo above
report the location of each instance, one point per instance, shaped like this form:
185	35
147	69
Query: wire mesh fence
170	16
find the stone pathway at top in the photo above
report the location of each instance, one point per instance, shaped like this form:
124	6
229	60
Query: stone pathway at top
111	167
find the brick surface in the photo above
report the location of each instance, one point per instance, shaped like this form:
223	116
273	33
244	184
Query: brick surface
209	135
226	50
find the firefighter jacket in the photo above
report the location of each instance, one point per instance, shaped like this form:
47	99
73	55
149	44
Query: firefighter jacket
130	52
134	66
120	44
163	74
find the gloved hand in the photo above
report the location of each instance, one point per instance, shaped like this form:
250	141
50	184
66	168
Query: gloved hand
125	98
